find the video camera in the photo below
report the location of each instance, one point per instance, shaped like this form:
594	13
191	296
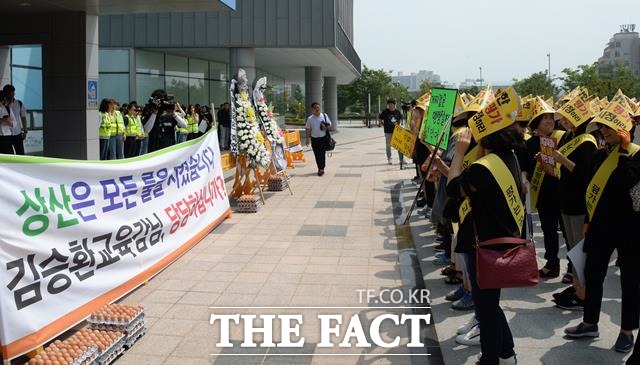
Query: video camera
405	106
161	101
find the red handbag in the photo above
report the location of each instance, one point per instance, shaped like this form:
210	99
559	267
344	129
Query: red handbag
514	267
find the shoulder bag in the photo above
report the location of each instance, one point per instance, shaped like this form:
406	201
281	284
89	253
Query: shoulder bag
329	141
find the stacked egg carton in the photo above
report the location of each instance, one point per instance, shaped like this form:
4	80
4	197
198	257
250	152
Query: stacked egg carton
68	352
249	203
127	319
278	182
110	344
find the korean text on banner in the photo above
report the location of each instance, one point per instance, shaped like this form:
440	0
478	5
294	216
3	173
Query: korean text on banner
441	106
80	234
403	140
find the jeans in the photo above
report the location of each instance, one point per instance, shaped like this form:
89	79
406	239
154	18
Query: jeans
104	148
224	136
181	138
595	271
496	339
319	146
116	147
549	213
387	141
144	146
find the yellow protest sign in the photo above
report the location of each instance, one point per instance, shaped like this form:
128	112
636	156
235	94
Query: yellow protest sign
614	116
576	111
481	100
497	115
403	140
525	111
540	107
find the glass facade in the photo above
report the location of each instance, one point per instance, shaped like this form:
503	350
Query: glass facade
114	75
26	77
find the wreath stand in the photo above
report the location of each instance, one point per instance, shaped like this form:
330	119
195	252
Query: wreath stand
244	183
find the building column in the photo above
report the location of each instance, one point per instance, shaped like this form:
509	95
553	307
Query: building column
312	86
330	96
70	66
5	65
243	58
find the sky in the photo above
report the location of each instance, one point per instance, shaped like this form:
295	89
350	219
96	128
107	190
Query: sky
507	38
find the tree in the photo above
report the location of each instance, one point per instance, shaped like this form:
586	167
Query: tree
426	86
373	83
536	84
603	82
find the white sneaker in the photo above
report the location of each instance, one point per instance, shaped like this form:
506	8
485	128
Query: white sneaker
472	322
471	338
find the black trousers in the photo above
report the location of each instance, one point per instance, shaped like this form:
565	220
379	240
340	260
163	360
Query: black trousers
319	146
598	259
550	216
131	147
6	145
18	144
496	339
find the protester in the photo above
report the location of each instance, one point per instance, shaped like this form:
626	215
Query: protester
118	134
545	188
420	154
205	113
224	125
317	124
182	133
491	218
611	224
20	130
144	142
389	118
578	147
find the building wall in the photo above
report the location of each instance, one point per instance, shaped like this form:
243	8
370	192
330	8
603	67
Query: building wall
255	23
344	10
624	48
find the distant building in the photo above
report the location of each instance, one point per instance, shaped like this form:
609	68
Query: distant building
467	83
413	81
623	47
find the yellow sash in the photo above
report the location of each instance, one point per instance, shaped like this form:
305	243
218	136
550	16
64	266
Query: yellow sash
507	184
601	177
538	175
568	148
527	136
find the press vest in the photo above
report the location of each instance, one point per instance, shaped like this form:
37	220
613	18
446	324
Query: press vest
117	127
106	120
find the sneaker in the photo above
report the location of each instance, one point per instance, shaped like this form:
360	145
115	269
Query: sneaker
624	343
441	261
439	254
465	328
549	274
471	338
421	202
567	278
455	294
463	304
565	293
582	330
570	302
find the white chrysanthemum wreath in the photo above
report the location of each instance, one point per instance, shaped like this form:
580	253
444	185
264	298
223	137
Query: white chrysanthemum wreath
250	140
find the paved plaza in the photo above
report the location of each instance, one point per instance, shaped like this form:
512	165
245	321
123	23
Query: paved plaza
336	235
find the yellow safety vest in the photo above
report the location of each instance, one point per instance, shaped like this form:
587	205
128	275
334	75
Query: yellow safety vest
192	125
117	127
132	126
186	129
106	120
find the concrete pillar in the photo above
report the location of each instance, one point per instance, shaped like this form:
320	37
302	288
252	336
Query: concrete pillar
5	65
312	86
70	65
330	96
243	58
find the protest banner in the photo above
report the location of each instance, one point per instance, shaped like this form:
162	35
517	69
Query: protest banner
441	106
80	234
547	146
403	140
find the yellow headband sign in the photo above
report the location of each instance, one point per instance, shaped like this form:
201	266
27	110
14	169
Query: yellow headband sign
498	115
524	114
481	100
576	111
614	116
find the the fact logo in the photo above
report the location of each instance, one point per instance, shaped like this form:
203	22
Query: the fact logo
329	327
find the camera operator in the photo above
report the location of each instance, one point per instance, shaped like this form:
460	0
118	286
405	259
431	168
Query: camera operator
161	120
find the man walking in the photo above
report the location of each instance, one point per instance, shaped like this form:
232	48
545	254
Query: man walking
19	130
317	125
224	126
389	118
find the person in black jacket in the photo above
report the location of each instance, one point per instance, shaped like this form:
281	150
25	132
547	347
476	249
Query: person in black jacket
389	118
161	120
611	225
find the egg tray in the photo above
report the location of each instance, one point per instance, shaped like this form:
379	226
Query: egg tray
111	353
116	327
85	359
277	183
135	336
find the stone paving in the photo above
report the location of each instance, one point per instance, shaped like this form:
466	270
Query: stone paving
335	235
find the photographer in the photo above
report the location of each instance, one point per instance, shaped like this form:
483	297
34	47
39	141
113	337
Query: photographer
161	120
